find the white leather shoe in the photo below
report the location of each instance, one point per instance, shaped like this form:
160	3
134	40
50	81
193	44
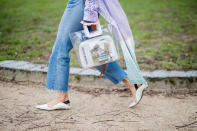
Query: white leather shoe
60	105
139	94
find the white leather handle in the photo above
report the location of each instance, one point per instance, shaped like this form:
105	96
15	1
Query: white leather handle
97	32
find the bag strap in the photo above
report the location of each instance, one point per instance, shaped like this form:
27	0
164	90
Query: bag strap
93	27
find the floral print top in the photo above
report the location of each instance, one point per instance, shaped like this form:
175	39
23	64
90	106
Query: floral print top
91	11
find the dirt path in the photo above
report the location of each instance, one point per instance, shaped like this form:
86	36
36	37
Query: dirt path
92	113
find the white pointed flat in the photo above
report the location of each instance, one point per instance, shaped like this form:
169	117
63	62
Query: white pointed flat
139	94
61	105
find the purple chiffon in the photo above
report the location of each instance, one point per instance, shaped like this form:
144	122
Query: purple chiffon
111	11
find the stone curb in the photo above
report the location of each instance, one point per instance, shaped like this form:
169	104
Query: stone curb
158	80
27	66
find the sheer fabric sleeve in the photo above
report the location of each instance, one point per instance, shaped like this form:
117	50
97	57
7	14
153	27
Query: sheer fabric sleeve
91	11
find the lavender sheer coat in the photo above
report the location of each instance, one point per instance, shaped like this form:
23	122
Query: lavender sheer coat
112	12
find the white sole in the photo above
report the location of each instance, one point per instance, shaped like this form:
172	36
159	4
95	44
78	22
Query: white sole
139	95
55	107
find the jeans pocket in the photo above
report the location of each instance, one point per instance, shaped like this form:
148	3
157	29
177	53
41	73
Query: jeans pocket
72	3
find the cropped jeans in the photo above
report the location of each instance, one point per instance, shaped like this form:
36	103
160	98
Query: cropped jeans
59	61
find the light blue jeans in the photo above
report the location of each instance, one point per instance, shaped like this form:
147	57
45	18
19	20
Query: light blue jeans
59	61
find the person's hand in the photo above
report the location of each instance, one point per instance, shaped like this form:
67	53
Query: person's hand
88	24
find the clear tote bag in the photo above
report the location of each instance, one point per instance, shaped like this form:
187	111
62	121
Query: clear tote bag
94	48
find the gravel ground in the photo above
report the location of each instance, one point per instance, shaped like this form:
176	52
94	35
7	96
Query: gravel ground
106	111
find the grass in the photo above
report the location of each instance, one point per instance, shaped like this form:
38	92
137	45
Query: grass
165	31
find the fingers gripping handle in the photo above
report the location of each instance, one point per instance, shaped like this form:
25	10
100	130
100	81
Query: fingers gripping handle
94	33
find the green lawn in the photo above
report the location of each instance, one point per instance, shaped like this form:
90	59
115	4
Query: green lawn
165	31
